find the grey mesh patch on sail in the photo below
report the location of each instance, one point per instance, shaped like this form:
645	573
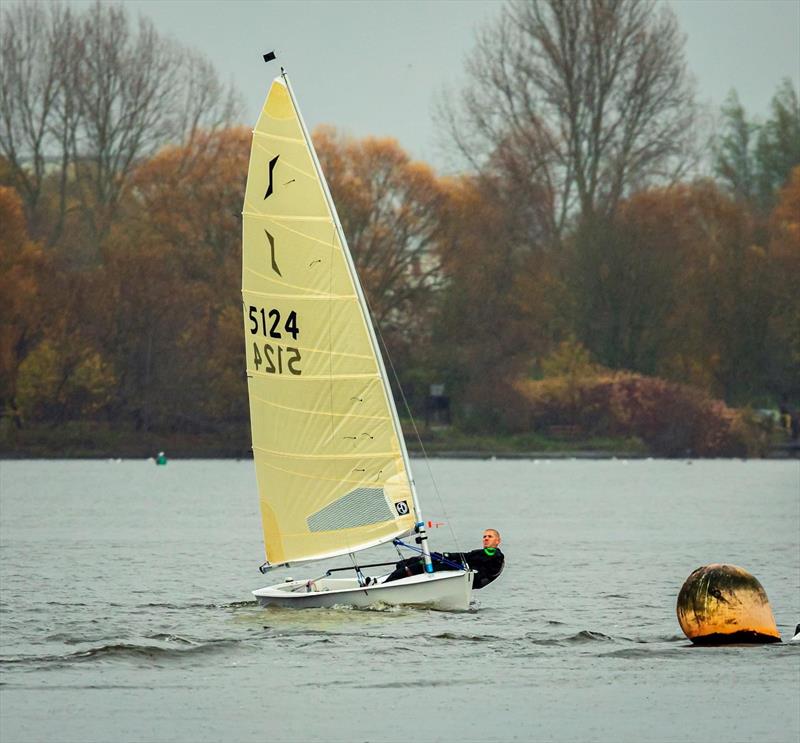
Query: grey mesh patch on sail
359	507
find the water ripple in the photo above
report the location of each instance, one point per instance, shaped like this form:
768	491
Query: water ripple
128	651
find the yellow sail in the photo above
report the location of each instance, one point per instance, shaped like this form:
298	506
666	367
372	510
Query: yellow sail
329	455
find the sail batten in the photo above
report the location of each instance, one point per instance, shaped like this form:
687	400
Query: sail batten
313	378
330	459
354	456
285	217
354	482
339	354
276	136
321	412
310	294
274	282
281	223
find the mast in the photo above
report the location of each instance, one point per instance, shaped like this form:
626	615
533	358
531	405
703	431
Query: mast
420	525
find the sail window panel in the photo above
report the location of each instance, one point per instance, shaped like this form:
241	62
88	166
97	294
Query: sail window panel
293	257
320	490
359	507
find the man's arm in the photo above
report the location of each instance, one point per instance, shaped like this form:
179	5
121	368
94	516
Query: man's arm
459	558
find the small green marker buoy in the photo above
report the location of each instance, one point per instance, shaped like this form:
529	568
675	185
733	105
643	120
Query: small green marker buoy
161	458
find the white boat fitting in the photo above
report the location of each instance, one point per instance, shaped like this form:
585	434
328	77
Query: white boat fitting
443	590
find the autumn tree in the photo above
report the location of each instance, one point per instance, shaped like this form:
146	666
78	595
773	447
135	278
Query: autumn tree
716	330
784	329
389	207
169	288
22	315
49	368
590	99
92	95
495	308
66	376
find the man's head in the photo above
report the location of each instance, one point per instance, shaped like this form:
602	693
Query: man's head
491	538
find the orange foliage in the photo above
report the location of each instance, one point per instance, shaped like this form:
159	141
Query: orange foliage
785	255
389	207
191	199
716	287
497	305
786	215
22	264
683	283
170	284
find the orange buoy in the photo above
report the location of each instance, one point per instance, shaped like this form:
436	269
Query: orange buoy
720	604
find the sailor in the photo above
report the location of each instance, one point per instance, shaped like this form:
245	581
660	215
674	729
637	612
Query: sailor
488	562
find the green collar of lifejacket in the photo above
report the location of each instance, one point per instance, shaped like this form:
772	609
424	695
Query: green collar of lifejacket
490	551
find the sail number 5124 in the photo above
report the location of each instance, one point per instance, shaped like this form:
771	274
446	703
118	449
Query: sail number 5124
275	358
261	320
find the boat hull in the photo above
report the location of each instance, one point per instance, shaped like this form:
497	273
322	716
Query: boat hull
444	591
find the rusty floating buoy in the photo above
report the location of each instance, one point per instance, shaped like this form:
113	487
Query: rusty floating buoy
722	604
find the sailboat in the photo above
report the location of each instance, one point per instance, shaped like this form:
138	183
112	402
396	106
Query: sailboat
332	468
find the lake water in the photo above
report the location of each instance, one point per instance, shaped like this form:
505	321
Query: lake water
126	611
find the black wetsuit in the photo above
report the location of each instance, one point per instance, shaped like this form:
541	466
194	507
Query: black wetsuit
487	566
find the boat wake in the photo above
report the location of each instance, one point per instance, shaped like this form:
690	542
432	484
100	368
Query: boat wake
170	647
465	637
580	638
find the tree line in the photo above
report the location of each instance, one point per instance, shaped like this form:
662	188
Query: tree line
584	224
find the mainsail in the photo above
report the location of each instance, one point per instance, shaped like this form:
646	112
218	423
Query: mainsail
330	459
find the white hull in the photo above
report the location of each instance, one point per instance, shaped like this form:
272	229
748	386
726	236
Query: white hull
444	590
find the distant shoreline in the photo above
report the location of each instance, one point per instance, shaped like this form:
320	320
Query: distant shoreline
79	440
776	452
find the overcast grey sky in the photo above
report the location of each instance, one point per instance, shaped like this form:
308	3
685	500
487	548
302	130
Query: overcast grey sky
375	67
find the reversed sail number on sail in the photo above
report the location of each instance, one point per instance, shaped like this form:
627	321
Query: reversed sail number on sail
276	359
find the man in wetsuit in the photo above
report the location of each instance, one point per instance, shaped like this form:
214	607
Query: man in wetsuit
488	562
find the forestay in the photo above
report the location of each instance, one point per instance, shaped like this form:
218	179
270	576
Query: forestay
329	456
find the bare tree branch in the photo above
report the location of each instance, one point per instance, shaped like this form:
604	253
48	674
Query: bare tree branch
85	96
585	100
